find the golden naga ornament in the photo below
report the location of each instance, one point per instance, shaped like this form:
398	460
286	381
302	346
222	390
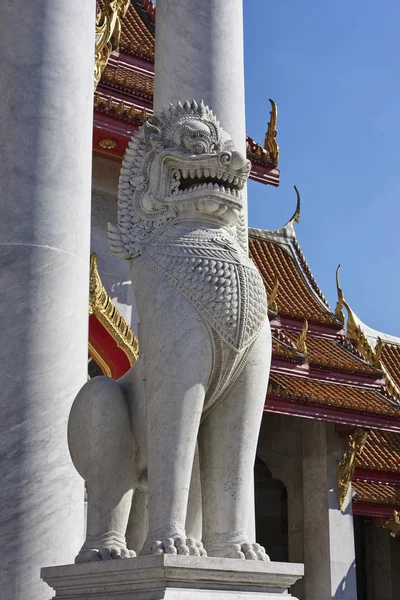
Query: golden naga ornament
108	32
347	464
270	143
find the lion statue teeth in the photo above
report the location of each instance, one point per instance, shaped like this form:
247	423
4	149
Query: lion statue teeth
190	408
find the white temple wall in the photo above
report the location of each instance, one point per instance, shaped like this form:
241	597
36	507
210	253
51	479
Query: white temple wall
114	273
303	454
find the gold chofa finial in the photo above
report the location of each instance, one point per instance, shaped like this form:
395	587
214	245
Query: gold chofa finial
108	32
296	215
270	143
340	303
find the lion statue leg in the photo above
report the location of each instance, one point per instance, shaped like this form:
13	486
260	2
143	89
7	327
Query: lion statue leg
177	361
105	454
227	443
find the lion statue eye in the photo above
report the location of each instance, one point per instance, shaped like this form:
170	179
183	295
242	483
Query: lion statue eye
199	148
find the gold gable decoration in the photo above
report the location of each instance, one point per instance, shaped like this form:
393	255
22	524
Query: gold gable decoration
100	304
347	463
108	32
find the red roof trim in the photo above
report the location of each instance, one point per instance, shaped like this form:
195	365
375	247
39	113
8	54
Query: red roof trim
282	406
107	348
375	476
370	509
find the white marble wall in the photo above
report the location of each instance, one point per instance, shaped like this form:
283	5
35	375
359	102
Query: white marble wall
46	79
114	273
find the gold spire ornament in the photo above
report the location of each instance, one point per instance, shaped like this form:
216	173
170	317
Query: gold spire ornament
270	143
108	32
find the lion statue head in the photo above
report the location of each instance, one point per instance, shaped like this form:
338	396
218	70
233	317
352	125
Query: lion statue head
181	165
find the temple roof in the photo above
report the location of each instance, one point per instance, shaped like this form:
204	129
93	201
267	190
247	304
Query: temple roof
278	256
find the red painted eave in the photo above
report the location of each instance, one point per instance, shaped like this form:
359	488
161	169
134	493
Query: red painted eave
370	509
282	406
375	476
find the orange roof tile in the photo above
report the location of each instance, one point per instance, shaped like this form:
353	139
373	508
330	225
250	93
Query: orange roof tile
310	391
381	452
135	35
378	494
335	354
283	346
297	295
128	79
390	358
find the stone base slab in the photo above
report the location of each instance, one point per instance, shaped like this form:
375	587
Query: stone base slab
172	577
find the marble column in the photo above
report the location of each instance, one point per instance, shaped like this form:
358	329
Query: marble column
329	552
46	78
199	54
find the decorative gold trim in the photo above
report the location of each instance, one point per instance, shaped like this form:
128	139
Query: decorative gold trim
100	304
272	305
108	32
107	143
356	334
347	464
301	344
393	525
270	143
100	361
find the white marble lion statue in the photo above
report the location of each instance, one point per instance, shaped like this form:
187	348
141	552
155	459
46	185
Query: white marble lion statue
199	385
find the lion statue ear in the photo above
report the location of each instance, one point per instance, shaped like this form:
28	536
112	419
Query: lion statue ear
152	134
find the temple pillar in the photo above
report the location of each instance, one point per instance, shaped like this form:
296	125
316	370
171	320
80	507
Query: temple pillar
280	446
199	55
46	77
329	553
382	564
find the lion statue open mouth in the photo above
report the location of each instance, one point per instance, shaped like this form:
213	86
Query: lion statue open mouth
181	163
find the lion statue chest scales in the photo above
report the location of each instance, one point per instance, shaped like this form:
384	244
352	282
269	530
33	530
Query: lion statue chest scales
209	267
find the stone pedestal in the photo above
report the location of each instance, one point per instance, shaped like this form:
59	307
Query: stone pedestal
173	578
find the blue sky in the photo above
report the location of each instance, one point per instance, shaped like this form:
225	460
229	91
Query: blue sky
333	69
